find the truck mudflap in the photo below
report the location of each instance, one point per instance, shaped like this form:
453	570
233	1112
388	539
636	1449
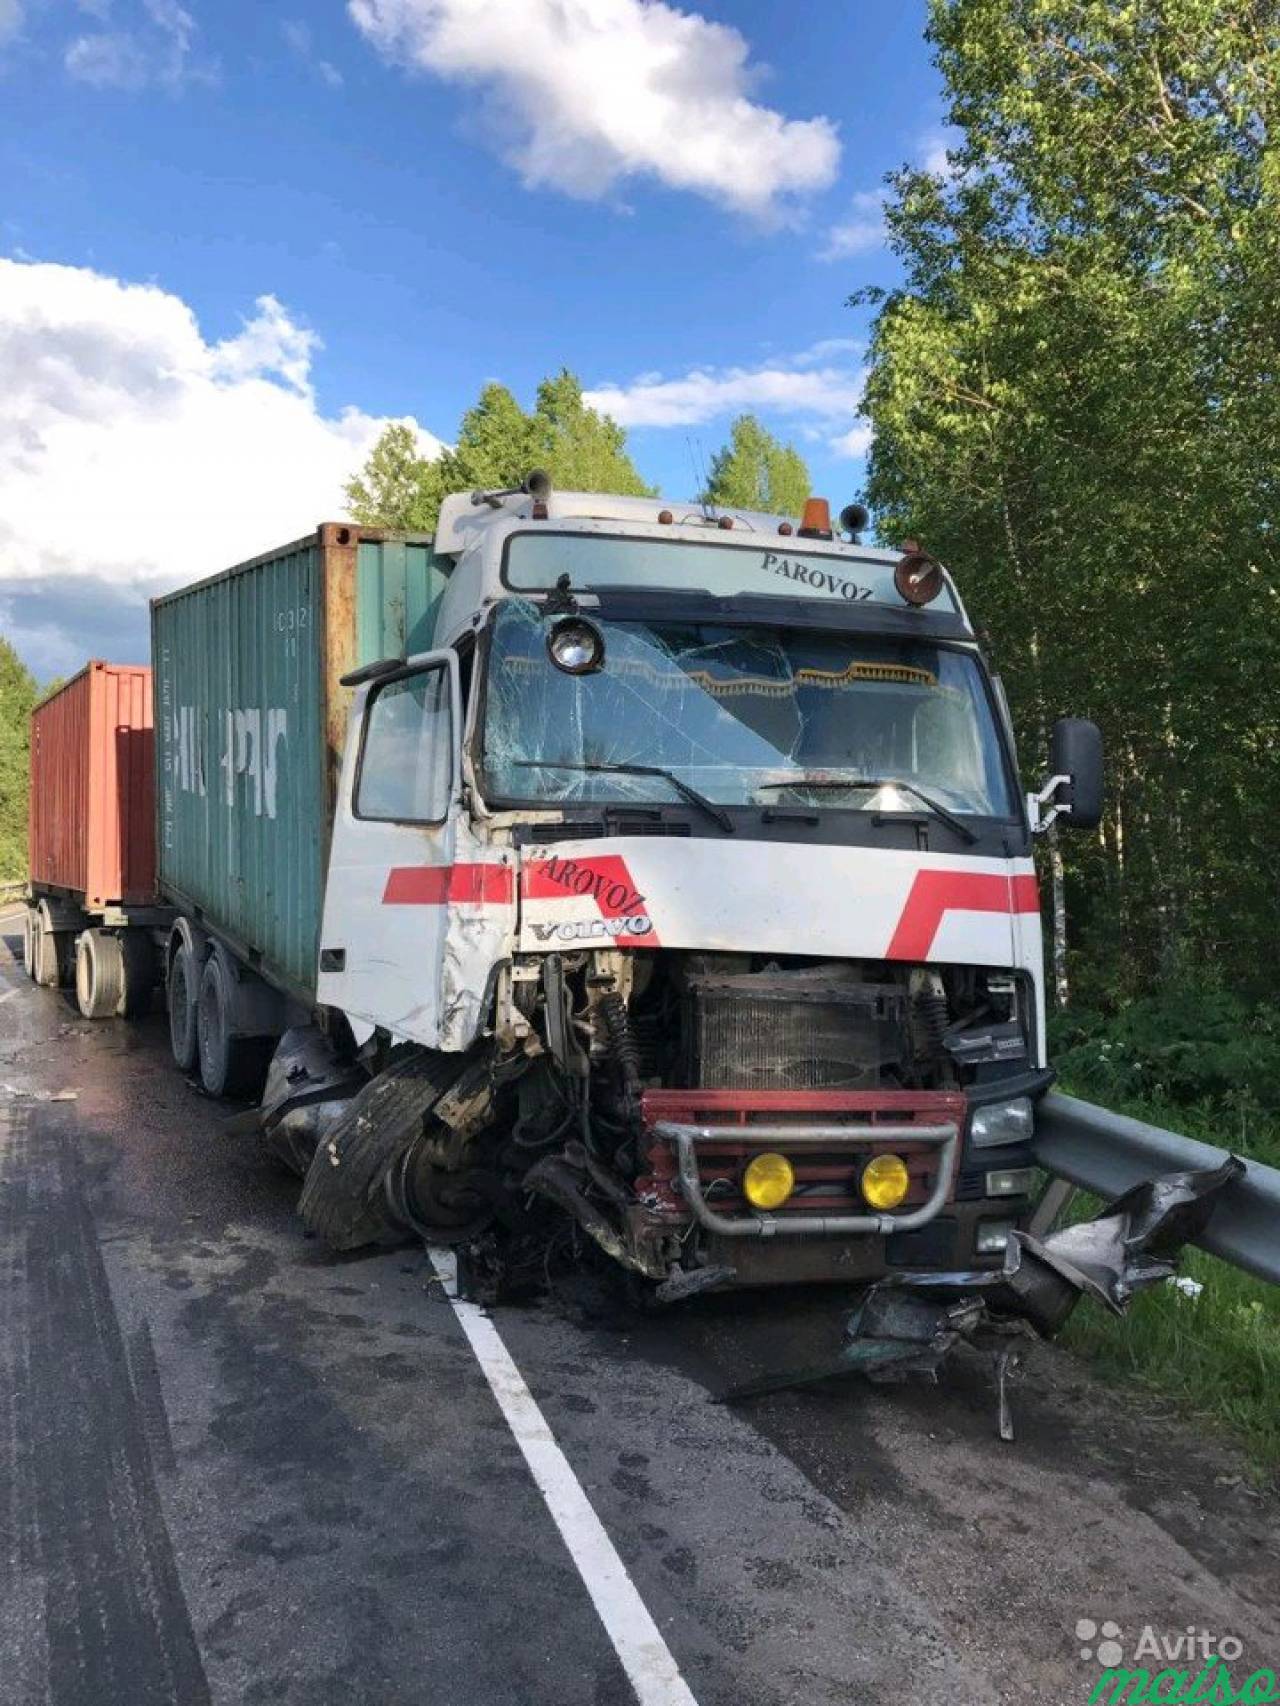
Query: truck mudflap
703	1140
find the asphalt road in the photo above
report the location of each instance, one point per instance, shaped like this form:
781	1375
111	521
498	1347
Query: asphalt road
237	1469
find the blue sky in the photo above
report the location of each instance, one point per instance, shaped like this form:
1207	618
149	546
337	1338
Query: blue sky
433	193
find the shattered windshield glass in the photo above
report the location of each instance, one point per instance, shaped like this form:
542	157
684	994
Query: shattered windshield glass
746	716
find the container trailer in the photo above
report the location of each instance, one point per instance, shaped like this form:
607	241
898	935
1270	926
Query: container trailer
607	874
91	840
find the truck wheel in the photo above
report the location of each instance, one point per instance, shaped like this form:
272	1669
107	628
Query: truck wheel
49	954
99	974
30	937
183	988
343	1199
138	960
229	1065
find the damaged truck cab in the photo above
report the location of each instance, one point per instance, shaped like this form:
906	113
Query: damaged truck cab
692	866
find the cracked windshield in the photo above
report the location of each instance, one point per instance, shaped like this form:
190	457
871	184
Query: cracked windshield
746	716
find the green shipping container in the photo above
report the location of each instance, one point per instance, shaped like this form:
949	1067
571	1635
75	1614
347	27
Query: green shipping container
250	720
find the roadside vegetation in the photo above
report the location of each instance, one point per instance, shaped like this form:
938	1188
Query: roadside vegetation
1207	1063
18	693
1076	401
499	442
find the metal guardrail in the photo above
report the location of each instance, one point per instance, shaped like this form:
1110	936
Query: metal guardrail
1105	1152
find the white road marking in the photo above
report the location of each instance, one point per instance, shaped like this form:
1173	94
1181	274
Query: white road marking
645	1656
10	993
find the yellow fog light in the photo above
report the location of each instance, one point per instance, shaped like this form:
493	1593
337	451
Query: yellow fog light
885	1181
768	1181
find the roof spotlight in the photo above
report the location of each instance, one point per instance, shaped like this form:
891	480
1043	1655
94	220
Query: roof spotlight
537	484
918	576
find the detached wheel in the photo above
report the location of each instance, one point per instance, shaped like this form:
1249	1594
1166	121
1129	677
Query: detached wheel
182	992
344	1199
99	974
229	1065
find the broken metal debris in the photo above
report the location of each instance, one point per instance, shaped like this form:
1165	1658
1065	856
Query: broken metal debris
908	1323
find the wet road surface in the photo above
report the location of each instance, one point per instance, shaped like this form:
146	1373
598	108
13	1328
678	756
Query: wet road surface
238	1469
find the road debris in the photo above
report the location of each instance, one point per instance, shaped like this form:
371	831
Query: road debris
908	1323
40	1095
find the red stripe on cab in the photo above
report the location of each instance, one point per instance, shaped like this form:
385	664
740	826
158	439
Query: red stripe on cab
454	885
935	893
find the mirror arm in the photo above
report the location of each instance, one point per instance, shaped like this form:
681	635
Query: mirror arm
1040	818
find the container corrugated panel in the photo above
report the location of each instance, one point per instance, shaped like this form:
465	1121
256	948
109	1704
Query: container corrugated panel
399	587
92	823
250	723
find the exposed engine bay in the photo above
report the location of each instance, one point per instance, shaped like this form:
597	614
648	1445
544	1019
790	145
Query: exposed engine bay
620	1101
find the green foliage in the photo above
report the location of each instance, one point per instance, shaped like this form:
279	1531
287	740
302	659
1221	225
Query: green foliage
582	450
755	471
1202	1049
1216	1355
1076	404
397	487
497	445
18	694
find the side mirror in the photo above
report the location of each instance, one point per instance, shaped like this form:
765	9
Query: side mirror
1076	756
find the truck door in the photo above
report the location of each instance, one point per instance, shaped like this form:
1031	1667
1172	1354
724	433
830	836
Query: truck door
392	850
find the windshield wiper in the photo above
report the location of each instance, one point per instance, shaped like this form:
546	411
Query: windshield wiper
939	810
716	813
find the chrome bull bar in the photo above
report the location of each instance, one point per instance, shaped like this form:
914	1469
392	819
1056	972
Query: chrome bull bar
760	1224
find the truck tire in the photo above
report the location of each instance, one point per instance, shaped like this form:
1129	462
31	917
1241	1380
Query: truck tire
230	1065
182	992
343	1200
49	953
138	958
99	974
30	936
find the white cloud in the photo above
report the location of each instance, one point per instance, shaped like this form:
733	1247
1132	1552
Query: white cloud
108	60
855	443
932	152
861	232
864	229
299	40
791	388
814	391
135	453
11	16
581	94
157	50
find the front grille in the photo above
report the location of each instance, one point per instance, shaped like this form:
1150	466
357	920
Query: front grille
812	1029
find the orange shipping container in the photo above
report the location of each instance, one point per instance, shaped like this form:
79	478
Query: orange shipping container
92	820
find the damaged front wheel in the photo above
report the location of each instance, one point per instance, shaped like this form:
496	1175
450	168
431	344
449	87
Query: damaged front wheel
344	1198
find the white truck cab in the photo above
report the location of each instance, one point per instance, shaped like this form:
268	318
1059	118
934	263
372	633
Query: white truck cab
690	863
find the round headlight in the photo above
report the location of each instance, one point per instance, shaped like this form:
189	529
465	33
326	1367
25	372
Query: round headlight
768	1181
885	1181
577	647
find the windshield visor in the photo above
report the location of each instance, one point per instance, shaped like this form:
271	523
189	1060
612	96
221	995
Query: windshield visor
746	716
535	562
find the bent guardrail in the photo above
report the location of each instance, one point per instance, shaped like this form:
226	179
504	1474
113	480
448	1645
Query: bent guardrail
1105	1152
